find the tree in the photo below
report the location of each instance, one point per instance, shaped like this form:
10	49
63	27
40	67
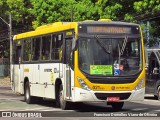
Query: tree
20	11
108	9
29	14
60	10
146	9
50	11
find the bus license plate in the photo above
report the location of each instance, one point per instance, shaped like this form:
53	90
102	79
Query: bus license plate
113	99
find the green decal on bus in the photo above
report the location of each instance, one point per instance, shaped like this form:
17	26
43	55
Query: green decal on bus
101	69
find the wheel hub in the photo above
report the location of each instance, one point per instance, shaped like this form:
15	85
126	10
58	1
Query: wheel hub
61	98
27	94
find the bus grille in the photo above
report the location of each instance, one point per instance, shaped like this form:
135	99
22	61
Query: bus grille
103	96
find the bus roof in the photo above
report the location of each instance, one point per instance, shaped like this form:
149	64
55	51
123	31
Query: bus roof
46	29
61	26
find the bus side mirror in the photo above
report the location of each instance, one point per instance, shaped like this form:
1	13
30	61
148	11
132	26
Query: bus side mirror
74	44
74	47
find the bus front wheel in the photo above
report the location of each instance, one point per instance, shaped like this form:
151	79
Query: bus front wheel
63	103
27	95
158	96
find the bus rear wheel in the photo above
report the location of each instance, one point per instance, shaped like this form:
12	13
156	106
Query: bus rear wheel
63	103
117	105
27	95
158	95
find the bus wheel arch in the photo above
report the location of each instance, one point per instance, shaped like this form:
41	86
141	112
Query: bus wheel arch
60	101
63	103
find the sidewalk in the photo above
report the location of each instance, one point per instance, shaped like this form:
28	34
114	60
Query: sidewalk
5	82
6	92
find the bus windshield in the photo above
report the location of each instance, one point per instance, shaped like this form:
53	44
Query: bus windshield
110	56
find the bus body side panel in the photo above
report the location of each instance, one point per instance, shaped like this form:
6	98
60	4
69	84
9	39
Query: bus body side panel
28	73
15	78
21	79
36	88
49	72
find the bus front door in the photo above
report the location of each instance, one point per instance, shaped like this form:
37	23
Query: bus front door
67	69
17	71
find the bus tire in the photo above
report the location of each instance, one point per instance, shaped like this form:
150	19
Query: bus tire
64	105
117	105
27	95
158	93
156	97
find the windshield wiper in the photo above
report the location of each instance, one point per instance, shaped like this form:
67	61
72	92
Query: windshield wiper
123	45
107	49
121	50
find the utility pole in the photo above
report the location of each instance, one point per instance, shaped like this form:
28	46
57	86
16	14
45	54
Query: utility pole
10	36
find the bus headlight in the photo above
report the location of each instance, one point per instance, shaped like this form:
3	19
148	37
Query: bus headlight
140	84
83	84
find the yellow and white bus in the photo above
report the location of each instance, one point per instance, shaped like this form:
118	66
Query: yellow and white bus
88	61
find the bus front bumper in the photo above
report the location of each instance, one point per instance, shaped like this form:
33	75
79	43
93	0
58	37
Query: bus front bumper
81	95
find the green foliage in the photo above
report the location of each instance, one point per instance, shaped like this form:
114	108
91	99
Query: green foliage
60	10
128	17
27	14
20	11
147	6
3	8
50	11
108	9
84	10
16	7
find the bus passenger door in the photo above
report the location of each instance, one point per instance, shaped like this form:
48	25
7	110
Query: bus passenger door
67	69
17	70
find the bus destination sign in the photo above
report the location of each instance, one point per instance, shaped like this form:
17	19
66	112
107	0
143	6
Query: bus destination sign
109	29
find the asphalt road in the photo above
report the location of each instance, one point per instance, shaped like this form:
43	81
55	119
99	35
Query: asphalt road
14	105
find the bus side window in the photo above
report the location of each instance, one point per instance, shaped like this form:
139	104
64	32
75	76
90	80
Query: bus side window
46	41
57	43
60	46
36	49
27	50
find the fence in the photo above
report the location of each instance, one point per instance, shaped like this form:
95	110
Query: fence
4	67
